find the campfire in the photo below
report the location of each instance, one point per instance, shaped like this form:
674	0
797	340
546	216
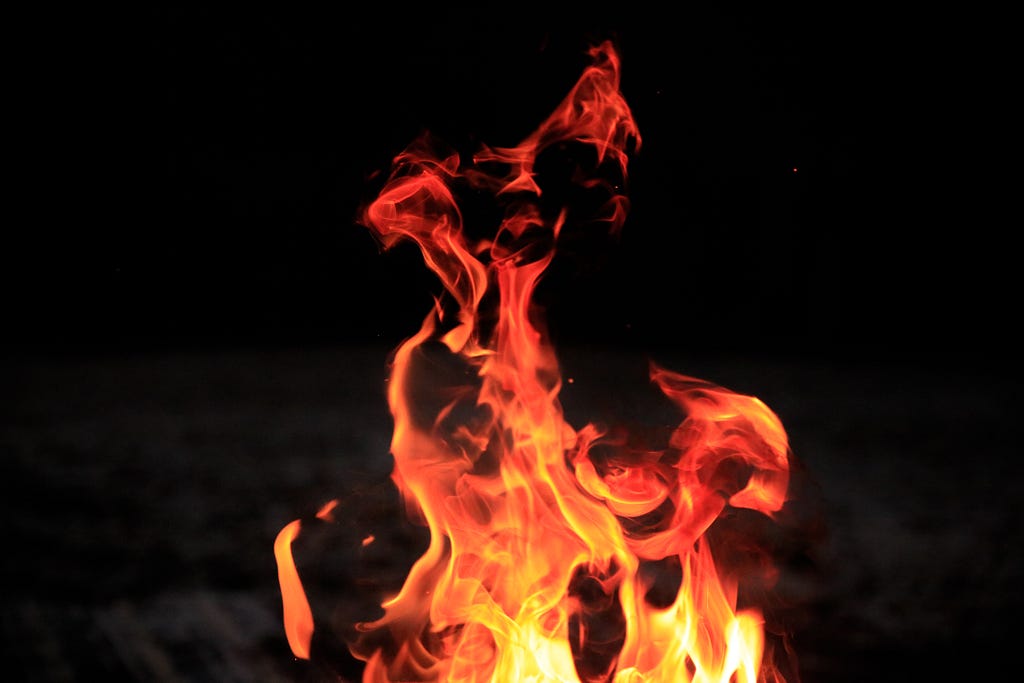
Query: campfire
557	552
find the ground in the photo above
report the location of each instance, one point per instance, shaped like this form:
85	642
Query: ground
144	492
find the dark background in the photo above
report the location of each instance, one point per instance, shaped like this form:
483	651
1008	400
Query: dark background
196	329
203	171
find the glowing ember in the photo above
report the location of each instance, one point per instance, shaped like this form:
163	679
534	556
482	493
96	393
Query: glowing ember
549	545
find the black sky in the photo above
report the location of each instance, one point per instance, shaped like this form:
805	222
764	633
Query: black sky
202	170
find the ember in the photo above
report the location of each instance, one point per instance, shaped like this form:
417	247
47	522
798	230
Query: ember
557	552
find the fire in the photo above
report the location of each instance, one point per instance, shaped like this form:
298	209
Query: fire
298	617
549	544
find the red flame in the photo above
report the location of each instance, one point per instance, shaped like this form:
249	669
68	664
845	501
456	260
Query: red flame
547	541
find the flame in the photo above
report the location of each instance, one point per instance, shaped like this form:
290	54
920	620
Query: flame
326	512
548	544
298	617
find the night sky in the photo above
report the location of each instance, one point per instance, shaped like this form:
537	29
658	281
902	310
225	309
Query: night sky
808	182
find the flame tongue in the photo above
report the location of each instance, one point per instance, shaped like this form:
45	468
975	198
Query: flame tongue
546	542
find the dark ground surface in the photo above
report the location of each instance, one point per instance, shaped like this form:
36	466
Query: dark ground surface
143	493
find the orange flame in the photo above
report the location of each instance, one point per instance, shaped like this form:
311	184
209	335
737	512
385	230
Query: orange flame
298	618
326	512
548	543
